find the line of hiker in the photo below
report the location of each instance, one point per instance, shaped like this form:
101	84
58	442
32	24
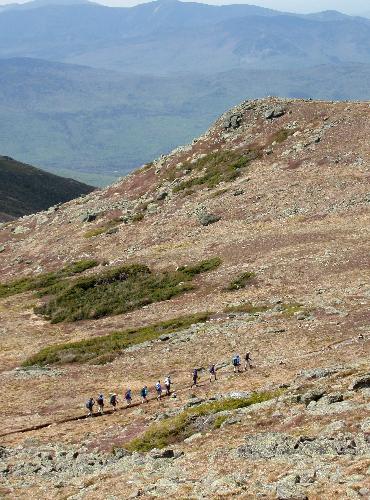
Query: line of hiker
113	398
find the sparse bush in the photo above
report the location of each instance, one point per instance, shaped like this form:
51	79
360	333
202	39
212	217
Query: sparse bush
214	168
240	282
118	290
104	349
247	308
102	229
180	427
43	282
282	135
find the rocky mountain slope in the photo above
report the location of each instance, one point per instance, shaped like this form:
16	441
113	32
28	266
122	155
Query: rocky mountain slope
253	237
25	189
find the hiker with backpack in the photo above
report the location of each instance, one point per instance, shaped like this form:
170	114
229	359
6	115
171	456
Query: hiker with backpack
195	378
113	401
100	401
158	388
144	394
236	363
247	361
90	405
167	384
212	373
128	397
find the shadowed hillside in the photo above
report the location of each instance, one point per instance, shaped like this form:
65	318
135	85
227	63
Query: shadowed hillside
25	190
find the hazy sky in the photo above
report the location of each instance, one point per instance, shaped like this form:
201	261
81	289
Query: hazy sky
348	6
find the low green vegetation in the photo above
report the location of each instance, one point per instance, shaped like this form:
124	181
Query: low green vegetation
292	308
247	308
182	426
282	135
42	283
100	350
241	281
214	168
102	229
118	290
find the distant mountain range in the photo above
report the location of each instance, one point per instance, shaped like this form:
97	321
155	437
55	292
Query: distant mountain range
25	189
167	37
91	91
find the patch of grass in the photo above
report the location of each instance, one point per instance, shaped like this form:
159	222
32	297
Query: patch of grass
282	135
214	168
290	309
118	290
180	427
220	419
102	229
43	282
241	281
104	349
138	217
247	308
202	267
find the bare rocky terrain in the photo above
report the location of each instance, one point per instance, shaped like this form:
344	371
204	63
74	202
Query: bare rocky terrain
278	189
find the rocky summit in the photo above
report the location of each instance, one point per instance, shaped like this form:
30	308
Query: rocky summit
253	238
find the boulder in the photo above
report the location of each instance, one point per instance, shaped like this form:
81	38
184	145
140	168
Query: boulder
165	453
206	219
88	217
274	112
361	383
313	395
233	121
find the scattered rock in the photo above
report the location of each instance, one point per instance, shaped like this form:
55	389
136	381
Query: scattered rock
313	395
289	488
2	248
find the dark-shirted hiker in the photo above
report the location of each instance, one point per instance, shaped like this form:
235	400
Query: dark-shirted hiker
90	405
128	397
100	401
212	373
158	388
236	363
195	377
144	394
247	361
113	401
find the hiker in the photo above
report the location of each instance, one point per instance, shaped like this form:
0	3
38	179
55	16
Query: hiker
128	397
167	384
195	378
100	402
89	405
158	388
360	337
236	363
212	372
113	401
144	394
247	361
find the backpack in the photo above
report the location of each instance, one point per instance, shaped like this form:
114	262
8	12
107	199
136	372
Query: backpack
89	404
113	400
100	401
128	395
235	361
158	387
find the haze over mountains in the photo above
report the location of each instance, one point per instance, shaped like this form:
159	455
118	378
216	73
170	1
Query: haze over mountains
162	72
